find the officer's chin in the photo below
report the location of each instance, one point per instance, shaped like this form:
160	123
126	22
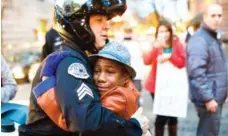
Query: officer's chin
100	45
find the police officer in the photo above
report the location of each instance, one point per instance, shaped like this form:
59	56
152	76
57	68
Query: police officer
52	43
83	26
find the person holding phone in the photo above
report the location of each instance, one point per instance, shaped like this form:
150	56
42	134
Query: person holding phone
166	47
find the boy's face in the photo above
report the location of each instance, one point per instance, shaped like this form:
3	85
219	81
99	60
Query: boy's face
108	74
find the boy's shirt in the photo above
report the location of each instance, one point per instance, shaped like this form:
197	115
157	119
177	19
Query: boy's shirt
121	100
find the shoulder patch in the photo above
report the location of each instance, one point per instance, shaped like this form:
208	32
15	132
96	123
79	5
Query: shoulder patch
78	70
84	90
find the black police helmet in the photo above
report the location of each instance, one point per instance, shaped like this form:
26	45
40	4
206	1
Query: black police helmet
72	18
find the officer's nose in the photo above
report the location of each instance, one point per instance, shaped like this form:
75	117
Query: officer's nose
106	25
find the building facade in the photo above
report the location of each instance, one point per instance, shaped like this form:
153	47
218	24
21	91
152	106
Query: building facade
21	17
197	6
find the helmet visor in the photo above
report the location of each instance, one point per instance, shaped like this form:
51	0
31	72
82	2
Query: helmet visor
117	7
109	7
69	7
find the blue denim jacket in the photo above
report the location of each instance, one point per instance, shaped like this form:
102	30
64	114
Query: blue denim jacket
206	67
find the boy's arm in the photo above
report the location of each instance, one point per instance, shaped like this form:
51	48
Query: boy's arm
52	61
44	92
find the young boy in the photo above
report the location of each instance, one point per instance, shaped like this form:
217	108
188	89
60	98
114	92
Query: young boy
112	75
113	78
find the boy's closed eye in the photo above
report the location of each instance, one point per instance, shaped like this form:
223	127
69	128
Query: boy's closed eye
111	71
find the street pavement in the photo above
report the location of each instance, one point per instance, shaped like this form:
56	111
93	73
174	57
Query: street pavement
186	127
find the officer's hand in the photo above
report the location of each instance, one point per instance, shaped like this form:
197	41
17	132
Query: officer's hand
143	121
52	61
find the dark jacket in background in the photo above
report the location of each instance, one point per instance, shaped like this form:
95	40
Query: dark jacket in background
207	67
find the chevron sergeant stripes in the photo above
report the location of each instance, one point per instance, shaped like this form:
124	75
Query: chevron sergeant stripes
84	90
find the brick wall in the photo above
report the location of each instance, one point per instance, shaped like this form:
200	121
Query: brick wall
197	6
224	26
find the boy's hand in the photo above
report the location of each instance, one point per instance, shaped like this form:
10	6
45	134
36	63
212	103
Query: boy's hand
52	61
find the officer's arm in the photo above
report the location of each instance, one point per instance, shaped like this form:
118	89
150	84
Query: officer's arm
80	105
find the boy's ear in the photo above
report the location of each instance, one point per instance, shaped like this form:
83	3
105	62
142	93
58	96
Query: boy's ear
126	78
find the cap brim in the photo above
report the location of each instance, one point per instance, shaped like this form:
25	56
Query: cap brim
130	70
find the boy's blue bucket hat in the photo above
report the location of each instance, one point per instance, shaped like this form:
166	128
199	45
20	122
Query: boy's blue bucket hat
117	52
